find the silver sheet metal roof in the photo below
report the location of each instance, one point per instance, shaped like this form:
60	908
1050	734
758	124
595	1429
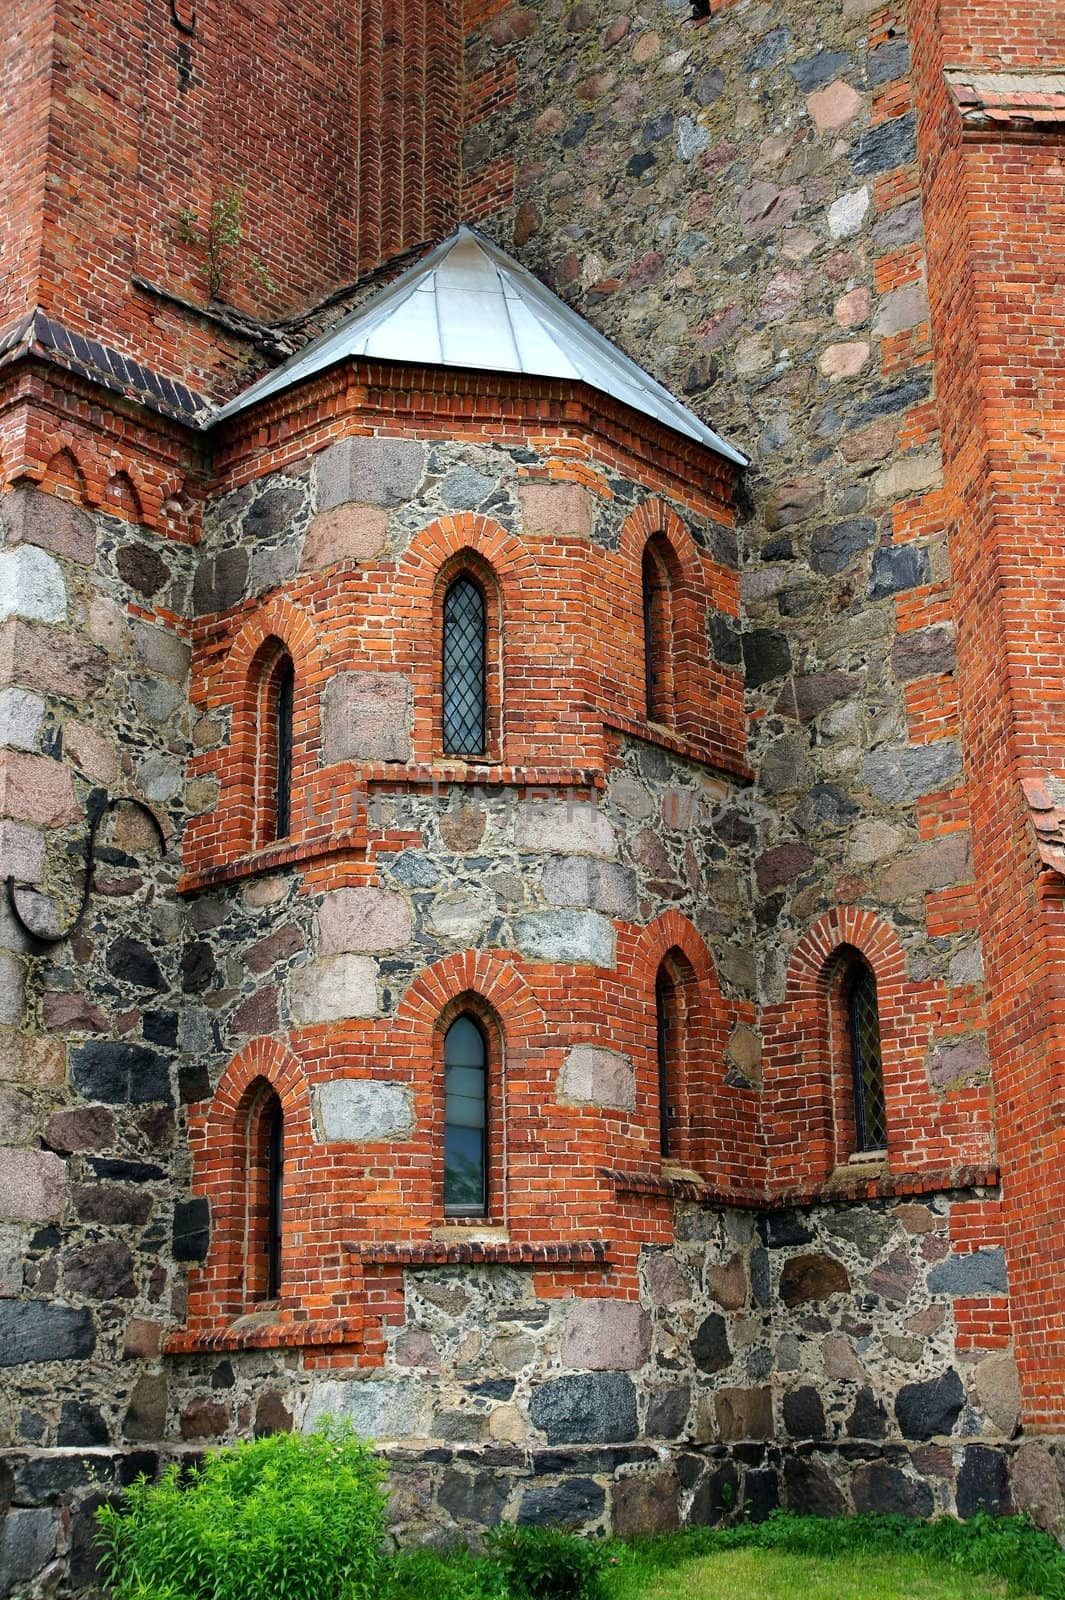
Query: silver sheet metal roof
468	304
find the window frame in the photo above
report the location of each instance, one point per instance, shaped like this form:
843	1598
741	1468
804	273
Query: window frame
484	1207
847	1139
274	744
464	578
264	1204
659	579
469	563
675	1011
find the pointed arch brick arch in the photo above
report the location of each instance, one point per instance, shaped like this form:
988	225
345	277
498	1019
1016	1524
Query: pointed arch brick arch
276	627
492	975
508	577
69	473
705	1112
124	495
220	1137
807	1060
679	643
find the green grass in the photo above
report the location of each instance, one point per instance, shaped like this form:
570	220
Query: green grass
852	1558
786	1558
775	1575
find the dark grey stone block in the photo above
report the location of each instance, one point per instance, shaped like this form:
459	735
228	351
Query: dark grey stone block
925	1410
119	1074
569	1504
588	1408
41	1330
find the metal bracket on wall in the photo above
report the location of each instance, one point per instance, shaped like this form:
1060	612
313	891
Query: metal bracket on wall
100	805
183	16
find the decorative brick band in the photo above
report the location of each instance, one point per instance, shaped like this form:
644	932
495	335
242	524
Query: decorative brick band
842	1186
421	776
41	336
581	1253
661	1188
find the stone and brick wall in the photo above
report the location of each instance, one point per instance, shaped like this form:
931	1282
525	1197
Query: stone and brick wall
805	220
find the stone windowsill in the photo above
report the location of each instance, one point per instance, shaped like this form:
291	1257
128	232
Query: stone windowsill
471	1230
707	756
282	853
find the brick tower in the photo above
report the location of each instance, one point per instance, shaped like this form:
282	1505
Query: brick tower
569	973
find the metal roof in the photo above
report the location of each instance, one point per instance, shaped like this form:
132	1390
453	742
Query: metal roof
468	304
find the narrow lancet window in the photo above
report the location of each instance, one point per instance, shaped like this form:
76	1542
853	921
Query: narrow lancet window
464	668
863	1016
286	683
465	1119
665	1044
657	634
275	1162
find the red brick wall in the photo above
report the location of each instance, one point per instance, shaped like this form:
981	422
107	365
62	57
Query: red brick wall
25	85
335	123
995	230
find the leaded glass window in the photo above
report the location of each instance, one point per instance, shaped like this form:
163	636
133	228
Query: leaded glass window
465	1119
870	1111
464	668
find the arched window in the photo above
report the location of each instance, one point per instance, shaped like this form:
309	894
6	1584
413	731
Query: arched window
275	1176
465	1119
266	1184
867	1070
666	1042
657	631
277	686
286	683
464	668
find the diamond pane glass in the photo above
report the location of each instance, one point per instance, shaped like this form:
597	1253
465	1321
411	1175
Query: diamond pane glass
465	1119
464	669
870	1112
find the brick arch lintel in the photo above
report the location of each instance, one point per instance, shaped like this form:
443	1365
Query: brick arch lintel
654	517
810	968
491	976
673	931
264	1060
440	541
278	619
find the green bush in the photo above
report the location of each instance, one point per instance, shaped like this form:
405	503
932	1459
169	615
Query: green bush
546	1564
289	1517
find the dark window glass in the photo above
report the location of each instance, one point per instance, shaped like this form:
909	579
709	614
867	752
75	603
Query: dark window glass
275	1162
465	1119
464	669
286	683
651	644
870	1112
663	1024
